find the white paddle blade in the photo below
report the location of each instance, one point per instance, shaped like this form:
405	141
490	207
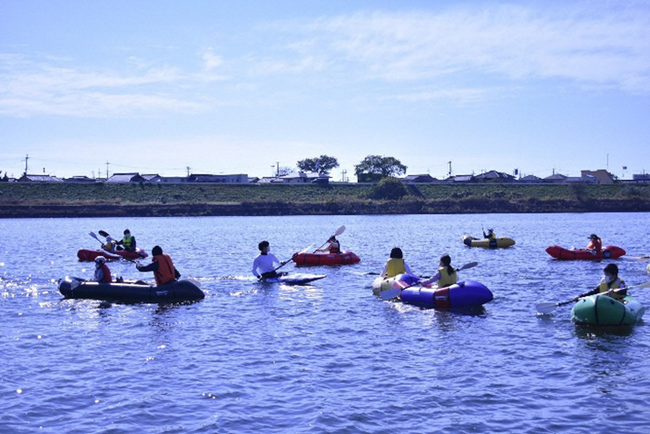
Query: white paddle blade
546	307
389	294
466	266
339	231
643	285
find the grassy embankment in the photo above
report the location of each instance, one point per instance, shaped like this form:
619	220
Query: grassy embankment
69	200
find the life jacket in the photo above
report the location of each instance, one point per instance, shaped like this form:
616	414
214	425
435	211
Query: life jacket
126	241
446	279
616	284
106	274
395	266
596	245
109	246
335	247
165	273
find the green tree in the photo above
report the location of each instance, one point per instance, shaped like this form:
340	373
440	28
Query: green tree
375	167
388	189
321	165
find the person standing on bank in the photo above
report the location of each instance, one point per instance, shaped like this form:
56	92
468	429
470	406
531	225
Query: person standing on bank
162	267
264	264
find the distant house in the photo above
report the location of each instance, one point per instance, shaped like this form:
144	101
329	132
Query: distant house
228	179
80	179
413	179
270	180
304	178
125	178
641	177
603	176
530	179
152	178
173	179
461	178
556	178
39	178
494	176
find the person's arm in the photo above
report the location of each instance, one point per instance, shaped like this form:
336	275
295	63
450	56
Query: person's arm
408	269
177	275
151	267
255	267
587	294
432	279
133	243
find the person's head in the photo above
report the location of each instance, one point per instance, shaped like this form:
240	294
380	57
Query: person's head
127	232
490	229
264	246
99	261
332	238
156	251
445	261
396	252
611	272
594	237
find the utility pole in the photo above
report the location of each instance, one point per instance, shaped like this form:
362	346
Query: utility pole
277	169
188	171
107	163
449	170
26	159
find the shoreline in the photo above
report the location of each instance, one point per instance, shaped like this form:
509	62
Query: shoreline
38	200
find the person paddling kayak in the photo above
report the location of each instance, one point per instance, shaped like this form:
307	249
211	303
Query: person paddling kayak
264	265
595	244
162	266
609	281
446	274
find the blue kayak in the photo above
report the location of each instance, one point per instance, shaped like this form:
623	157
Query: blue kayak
462	294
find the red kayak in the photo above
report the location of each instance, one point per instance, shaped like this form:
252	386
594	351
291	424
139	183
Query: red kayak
608	252
87	255
343	258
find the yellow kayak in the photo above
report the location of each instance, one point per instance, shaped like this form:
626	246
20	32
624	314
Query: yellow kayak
494	243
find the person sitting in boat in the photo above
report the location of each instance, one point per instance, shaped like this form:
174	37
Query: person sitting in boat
102	272
396	265
609	282
162	267
446	274
490	235
333	246
595	244
109	245
128	241
264	265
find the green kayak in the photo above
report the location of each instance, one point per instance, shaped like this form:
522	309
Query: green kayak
605	311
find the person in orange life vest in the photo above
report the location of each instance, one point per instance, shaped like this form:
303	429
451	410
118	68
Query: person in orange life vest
608	283
128	241
334	246
595	244
162	267
102	272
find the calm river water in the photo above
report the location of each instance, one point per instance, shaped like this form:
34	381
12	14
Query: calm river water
330	357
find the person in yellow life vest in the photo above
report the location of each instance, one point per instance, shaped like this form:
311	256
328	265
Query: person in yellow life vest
109	245
396	264
128	241
609	282
162	267
446	274
490	235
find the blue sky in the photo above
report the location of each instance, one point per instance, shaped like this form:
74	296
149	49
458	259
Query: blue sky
238	86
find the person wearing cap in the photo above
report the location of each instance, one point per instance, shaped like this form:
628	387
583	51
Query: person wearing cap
333	246
608	283
102	272
595	244
162	267
490	235
128	241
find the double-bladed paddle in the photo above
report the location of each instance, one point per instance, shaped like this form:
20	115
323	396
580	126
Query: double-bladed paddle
549	306
396	290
